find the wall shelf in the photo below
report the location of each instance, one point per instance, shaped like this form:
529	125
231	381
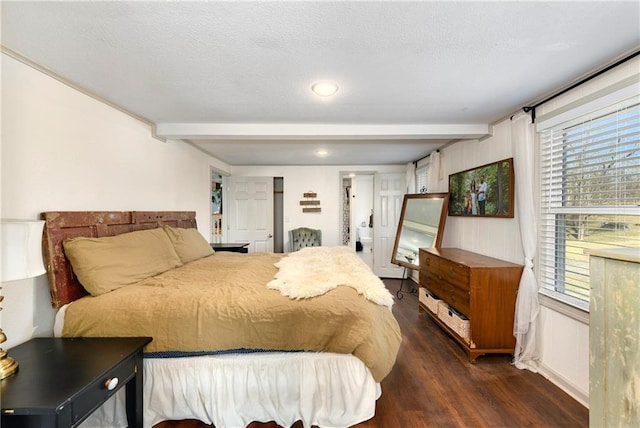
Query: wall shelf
310	204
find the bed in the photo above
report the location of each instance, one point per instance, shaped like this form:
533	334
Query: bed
237	337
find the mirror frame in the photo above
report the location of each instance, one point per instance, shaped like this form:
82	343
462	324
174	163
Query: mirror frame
441	223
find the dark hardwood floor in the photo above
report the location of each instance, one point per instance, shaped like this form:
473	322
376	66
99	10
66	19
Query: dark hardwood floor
434	385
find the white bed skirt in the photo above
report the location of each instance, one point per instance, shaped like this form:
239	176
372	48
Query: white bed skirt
323	389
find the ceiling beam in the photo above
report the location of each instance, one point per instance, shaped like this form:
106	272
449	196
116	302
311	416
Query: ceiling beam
284	131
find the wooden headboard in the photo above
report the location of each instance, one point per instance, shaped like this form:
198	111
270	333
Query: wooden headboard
60	225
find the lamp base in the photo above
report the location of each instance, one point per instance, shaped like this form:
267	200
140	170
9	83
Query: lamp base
8	365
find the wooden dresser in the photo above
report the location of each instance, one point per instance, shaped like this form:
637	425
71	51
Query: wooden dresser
481	288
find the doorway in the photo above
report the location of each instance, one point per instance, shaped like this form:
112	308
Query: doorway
357	214
278	214
346	211
217	186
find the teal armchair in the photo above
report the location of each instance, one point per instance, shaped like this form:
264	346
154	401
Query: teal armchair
304	237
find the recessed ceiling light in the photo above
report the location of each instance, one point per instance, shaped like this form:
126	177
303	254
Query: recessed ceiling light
324	89
322	152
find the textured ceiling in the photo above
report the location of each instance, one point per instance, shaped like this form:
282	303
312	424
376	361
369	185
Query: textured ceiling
451	68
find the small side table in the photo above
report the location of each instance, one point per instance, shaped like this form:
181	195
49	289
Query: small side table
235	248
62	381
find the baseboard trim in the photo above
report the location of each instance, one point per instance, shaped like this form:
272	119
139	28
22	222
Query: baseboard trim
562	383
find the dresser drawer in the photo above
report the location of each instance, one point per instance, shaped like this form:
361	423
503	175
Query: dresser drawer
456	297
97	392
455	274
431	282
429	262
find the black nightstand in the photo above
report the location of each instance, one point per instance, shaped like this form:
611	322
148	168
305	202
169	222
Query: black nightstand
62	381
235	248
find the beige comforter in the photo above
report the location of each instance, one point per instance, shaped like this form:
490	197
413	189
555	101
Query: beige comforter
221	302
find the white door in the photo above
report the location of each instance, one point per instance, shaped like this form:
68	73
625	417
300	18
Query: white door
250	217
389	190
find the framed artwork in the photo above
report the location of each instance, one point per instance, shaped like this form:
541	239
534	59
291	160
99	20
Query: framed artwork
485	191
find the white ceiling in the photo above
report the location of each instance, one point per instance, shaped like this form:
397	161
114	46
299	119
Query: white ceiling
234	77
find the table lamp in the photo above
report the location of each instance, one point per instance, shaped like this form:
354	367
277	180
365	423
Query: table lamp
21	259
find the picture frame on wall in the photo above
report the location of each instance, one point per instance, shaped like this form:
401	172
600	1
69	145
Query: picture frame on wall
484	191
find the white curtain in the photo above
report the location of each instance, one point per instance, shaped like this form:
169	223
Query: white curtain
526	354
411	177
435	173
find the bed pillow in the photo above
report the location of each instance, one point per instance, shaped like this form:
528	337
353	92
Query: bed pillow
108	263
188	243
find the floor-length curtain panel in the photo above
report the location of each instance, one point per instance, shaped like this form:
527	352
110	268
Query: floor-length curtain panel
435	173
411	177
526	354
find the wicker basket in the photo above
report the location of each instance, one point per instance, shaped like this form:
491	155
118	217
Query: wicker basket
429	300
454	320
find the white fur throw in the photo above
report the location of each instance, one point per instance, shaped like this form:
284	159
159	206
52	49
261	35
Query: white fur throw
313	271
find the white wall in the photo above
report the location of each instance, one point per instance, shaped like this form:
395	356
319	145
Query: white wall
564	345
325	181
63	150
494	237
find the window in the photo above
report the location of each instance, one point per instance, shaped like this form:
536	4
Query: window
422	177
590	195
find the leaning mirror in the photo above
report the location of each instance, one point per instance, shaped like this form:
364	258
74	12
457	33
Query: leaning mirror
421	225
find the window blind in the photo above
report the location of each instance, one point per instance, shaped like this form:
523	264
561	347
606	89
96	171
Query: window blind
422	179
422	175
590	194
